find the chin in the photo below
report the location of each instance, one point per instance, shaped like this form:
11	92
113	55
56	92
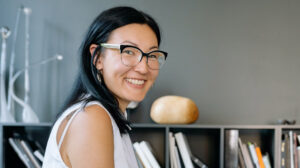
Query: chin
137	98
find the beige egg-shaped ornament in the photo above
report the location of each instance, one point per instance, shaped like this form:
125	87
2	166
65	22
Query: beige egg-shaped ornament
174	110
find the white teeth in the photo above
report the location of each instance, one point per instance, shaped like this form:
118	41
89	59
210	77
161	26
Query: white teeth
135	81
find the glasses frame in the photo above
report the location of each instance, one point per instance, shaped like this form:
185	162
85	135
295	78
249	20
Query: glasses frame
121	47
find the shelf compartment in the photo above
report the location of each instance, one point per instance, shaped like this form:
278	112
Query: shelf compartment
204	143
32	133
155	136
262	137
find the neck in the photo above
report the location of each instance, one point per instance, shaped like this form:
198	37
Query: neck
123	105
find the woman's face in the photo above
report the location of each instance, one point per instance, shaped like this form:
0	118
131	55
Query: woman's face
128	83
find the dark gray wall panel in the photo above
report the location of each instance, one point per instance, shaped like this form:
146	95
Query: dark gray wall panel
238	60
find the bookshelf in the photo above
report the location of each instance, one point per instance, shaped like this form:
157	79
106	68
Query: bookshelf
37	132
206	141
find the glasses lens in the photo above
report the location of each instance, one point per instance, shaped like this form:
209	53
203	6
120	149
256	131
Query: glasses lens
131	56
156	60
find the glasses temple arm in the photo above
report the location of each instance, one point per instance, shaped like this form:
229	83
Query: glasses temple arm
106	45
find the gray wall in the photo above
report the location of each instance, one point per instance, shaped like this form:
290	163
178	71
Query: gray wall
238	60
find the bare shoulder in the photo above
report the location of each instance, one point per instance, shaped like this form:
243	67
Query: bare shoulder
93	115
90	133
92	118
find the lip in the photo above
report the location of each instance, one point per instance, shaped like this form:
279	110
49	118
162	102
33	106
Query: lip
135	78
136	85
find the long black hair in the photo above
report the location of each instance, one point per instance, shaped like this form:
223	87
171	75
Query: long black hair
87	82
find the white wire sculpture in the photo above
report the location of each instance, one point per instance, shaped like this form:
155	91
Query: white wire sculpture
6	102
6	116
27	12
12	58
28	115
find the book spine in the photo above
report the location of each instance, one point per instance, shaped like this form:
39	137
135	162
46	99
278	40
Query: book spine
247	157
253	154
291	149
198	162
288	148
295	150
283	151
140	165
147	151
259	157
178	164
172	150
241	159
298	152
183	150
29	153
141	155
245	154
17	148
18	142
266	160
39	155
231	148
298	139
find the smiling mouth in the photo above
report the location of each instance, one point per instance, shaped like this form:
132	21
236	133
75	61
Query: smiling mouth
136	81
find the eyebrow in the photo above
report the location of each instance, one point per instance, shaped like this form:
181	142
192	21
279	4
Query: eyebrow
134	44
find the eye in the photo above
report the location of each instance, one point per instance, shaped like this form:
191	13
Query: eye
129	52
152	56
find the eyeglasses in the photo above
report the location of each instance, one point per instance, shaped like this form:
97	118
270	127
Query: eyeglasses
131	55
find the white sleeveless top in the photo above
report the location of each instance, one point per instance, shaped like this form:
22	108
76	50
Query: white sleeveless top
124	156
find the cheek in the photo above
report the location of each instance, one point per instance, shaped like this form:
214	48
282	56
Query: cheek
154	75
113	71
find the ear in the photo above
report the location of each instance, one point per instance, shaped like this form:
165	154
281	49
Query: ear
98	64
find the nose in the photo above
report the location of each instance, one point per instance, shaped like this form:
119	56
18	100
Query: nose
142	66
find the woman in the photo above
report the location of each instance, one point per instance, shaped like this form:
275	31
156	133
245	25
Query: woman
120	60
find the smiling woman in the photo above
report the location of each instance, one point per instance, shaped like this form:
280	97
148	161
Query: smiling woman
120	60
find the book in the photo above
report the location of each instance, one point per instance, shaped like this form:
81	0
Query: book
291	149
288	148
231	148
259	157
139	162
172	150
183	150
283	151
20	152
30	154
37	153
141	155
18	141
39	147
298	138
38	150
147	150
198	162
295	150
177	158
298	152
194	159
266	160
241	159
253	154
245	154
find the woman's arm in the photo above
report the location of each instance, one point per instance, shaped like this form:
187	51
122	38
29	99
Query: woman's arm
89	141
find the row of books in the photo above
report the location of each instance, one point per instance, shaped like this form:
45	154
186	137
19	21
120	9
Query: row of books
30	153
180	152
290	150
243	155
145	155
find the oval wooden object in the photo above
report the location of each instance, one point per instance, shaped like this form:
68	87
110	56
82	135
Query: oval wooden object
174	110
